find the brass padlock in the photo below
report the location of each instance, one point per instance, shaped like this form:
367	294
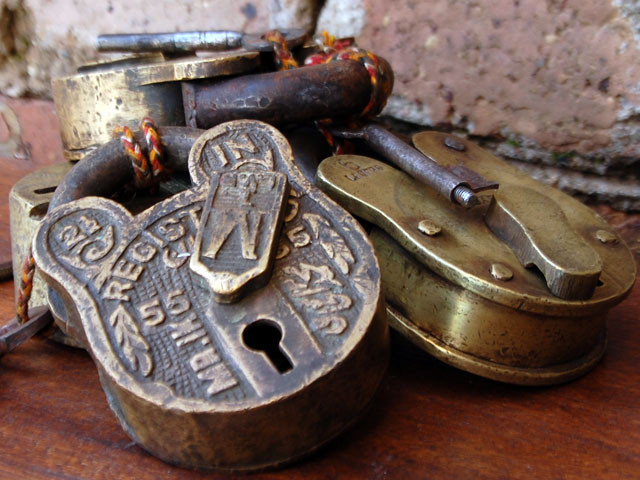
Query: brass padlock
89	105
516	289
236	325
28	202
102	96
204	91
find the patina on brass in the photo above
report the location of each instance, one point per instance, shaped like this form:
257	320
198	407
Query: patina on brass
537	230
463	294
242	385
103	96
28	202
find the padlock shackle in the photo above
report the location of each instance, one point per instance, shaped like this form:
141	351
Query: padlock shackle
331	90
104	171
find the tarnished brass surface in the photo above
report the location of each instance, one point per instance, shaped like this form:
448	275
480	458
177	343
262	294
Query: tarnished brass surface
204	384
465	249
249	204
99	98
28	202
480	336
466	290
540	234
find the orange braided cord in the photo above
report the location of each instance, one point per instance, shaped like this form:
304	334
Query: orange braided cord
138	158
343	49
380	86
25	288
338	146
154	146
329	45
284	57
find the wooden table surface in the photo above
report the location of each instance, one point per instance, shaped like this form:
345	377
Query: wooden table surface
428	420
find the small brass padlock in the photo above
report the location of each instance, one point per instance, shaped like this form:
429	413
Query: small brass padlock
28	202
516	289
236	325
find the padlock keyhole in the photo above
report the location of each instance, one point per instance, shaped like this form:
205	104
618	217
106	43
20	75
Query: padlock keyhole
264	336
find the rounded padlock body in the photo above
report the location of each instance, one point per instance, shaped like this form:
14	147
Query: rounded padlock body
236	325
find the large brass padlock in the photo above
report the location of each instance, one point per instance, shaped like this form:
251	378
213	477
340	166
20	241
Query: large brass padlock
236	325
105	95
515	289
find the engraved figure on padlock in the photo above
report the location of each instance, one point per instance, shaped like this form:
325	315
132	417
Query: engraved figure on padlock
235	325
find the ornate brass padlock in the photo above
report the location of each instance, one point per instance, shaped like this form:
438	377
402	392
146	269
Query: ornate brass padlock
104	95
238	324
460	282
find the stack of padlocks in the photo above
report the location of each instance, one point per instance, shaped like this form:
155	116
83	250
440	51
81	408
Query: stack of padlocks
238	317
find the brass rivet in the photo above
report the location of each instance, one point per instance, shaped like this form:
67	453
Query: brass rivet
454	144
429	228
501	272
606	237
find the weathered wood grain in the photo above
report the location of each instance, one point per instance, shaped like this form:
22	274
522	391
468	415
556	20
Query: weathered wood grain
428	420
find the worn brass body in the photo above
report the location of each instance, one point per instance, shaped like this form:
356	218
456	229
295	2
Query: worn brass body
462	293
165	301
103	96
28	202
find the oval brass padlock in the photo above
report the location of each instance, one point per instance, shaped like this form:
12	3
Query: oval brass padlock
236	325
461	283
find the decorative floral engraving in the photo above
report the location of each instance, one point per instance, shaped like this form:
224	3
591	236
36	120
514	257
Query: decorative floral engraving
134	346
314	287
331	241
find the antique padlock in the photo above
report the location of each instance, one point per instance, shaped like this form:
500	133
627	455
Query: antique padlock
28	203
202	91
236	325
110	93
104	95
516	289
101	96
89	105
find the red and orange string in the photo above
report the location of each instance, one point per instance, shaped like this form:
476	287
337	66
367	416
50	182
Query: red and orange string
26	285
332	49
